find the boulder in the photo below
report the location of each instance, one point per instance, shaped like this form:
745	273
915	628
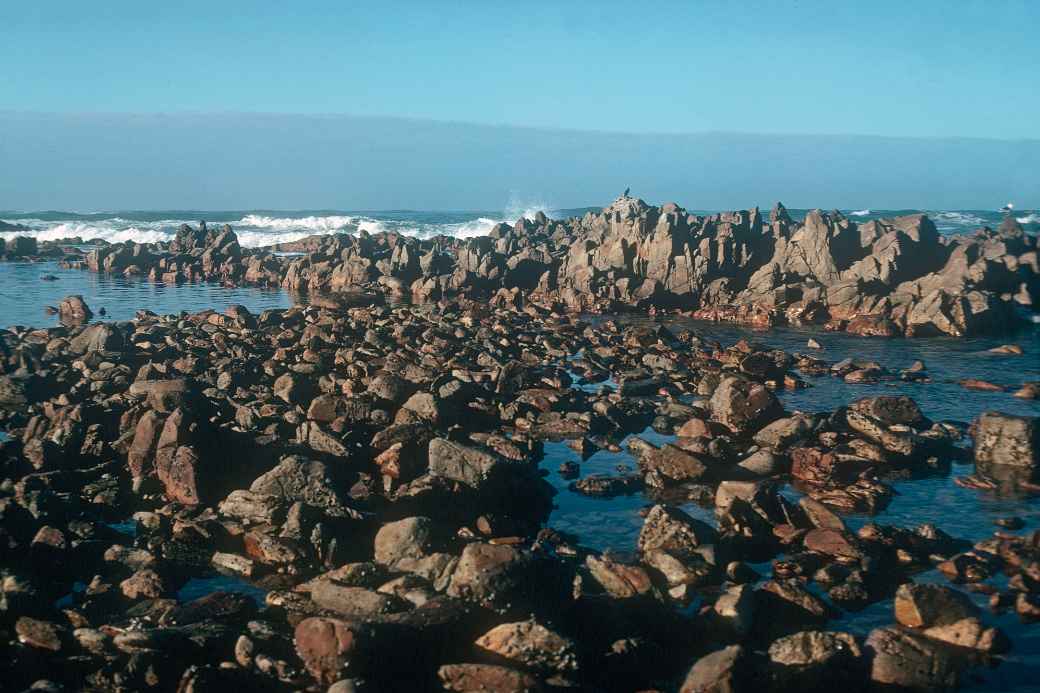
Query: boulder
1003	439
744	405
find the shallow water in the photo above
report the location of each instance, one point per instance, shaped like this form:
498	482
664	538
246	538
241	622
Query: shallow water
964	513
24	294
614	523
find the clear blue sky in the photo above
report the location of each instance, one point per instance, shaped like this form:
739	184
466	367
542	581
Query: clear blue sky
918	68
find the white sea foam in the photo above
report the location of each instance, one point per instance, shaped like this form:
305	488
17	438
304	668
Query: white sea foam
1033	218
860	213
329	224
143	233
959	219
257	230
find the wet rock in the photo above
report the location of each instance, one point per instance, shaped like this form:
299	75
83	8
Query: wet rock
38	634
308	481
903	659
73	310
407	538
736	609
723	671
783	433
672	464
532	646
98	337
1003	439
619	580
743	404
327	646
608	486
470	678
353	602
672	530
144	584
925	605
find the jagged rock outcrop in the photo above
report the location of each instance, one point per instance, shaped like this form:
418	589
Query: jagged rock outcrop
884	277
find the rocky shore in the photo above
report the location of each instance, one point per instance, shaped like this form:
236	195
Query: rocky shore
884	277
374	471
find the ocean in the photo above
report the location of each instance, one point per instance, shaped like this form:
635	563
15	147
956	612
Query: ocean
602	523
260	227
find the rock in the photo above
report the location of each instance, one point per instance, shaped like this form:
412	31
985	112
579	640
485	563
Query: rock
910	662
474	467
975	384
833	542
743	404
407	538
353	602
889	409
144	584
42	635
736	608
970	633
783	433
471	678
617	579
100	336
672	464
722	671
1004	439
531	646
490	574
308	481
164	396
73	310
327	645
762	463
177	461
813	648
672	530
926	605
253	508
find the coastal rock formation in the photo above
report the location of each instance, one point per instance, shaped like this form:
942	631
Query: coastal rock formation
335	495
884	277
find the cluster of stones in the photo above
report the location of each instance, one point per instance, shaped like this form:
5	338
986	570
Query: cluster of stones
375	471
883	277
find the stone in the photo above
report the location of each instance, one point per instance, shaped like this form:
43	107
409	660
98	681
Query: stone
353	602
144	584
617	579
328	645
783	433
531	646
673	530
926	605
471	678
74	310
407	538
743	404
813	648
1003	439
722	671
911	662
38	634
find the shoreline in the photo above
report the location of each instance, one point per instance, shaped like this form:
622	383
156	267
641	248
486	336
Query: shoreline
884	277
378	471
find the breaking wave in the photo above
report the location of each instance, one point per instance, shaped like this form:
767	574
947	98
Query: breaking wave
860	213
1033	218
256	230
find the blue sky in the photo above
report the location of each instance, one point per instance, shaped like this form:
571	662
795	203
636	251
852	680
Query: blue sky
921	68
947	89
